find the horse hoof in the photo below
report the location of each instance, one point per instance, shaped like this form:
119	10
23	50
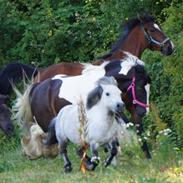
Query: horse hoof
106	163
67	168
91	165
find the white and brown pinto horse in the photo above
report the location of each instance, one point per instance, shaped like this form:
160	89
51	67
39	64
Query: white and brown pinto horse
44	100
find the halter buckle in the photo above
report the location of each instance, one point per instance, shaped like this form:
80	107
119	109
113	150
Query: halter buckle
134	101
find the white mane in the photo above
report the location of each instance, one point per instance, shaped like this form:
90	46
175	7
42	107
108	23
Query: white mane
90	69
128	62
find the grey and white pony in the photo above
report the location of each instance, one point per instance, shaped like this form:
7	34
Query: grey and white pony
100	125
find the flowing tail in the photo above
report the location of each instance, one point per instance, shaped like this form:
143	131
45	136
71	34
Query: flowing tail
33	147
21	108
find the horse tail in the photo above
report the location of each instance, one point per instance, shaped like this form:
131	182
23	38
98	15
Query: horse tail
21	108
33	147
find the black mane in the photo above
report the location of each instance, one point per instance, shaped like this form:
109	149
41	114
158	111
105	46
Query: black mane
128	27
13	73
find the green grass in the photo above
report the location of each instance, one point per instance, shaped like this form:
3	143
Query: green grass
166	166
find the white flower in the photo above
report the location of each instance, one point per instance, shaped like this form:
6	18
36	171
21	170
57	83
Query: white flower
129	125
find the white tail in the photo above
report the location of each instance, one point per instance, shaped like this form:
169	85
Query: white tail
21	108
33	147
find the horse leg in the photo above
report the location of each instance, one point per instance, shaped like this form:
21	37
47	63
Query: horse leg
63	152
81	152
51	138
95	158
140	130
113	152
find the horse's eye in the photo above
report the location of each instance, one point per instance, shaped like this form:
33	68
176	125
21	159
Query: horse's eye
107	94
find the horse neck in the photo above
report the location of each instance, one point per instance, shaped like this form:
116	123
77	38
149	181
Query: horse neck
134	43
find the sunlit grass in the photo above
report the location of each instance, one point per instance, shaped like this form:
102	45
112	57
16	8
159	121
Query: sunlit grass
166	166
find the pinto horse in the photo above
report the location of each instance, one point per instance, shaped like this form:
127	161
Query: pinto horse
132	80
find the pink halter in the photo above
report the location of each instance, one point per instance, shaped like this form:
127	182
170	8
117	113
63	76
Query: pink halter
135	100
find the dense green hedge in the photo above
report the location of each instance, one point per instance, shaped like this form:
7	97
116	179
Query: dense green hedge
43	32
167	75
47	31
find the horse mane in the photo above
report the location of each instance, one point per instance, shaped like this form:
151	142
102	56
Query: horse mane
107	81
95	95
13	73
128	27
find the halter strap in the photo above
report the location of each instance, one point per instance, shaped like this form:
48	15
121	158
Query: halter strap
135	100
151	40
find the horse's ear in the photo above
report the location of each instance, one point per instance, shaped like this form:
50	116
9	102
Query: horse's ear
140	18
94	96
3	98
140	68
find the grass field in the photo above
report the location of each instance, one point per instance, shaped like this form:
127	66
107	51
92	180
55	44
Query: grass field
165	166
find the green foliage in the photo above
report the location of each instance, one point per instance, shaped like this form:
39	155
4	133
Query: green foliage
47	31
166	75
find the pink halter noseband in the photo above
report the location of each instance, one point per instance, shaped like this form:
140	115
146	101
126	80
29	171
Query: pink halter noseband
135	100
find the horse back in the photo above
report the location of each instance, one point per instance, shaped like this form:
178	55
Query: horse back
71	69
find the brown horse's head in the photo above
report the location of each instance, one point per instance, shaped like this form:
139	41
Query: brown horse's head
5	116
140	33
155	38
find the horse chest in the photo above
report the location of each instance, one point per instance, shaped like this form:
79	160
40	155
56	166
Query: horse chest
101	128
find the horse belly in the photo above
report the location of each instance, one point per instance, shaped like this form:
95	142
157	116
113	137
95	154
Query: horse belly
69	124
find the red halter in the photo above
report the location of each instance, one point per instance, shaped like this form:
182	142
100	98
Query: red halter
135	100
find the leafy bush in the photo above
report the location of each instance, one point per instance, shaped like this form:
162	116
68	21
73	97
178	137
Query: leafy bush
166	73
45	32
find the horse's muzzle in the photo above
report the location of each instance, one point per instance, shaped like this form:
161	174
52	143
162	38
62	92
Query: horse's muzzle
119	107
168	48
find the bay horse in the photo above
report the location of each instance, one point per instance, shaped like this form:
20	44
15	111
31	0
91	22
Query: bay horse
12	73
129	73
91	121
139	34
